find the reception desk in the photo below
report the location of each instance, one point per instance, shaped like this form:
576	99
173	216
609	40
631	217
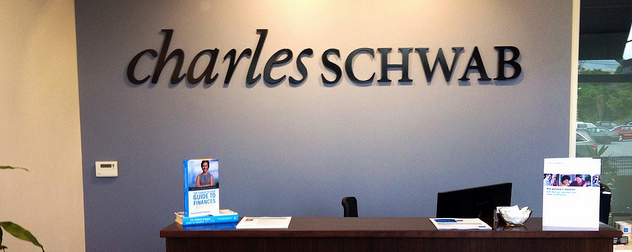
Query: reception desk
383	234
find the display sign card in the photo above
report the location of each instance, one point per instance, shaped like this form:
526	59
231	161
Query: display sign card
571	194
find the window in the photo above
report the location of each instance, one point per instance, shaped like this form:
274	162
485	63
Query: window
604	94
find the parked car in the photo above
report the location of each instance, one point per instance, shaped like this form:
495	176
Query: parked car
584	144
602	135
624	132
583	125
606	124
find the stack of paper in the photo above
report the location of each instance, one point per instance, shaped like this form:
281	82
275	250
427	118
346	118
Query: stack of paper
460	224
264	222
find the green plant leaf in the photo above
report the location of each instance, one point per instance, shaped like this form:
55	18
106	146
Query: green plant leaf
20	233
12	167
596	153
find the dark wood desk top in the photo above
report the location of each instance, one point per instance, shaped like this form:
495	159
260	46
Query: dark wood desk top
400	227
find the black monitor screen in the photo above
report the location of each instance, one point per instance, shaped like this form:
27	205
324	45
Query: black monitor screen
477	202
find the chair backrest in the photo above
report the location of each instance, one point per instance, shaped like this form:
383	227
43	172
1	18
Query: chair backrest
350	205
604	203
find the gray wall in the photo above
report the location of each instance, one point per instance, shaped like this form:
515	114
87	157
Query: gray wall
298	150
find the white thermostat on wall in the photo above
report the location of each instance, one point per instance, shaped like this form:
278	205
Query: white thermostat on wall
106	168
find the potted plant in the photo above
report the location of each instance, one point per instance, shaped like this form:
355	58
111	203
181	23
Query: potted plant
14	229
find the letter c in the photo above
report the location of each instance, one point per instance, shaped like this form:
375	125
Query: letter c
349	66
132	66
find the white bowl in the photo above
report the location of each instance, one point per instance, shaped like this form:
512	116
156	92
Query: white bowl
515	217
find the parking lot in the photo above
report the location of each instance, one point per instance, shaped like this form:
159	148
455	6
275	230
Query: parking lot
619	149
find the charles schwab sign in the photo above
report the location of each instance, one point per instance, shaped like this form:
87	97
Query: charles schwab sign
507	58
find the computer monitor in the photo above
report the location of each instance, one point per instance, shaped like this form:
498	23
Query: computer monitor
477	202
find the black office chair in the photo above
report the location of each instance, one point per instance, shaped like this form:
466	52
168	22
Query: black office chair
604	203
350	205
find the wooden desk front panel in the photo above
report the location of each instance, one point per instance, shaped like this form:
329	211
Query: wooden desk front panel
383	244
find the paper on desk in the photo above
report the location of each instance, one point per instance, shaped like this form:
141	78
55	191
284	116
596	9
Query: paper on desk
264	222
460	224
